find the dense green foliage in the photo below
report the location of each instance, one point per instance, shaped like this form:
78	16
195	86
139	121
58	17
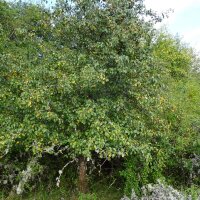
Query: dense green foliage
93	79
177	161
183	96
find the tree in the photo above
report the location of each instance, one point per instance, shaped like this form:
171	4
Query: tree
180	106
88	84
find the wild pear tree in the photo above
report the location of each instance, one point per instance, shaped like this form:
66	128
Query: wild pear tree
88	85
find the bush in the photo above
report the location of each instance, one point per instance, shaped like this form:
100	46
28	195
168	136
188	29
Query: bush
140	170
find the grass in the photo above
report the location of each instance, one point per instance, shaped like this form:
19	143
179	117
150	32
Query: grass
98	191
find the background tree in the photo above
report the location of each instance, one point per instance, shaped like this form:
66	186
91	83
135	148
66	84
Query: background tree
181	107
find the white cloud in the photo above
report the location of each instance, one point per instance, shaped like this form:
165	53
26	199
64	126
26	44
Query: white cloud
162	6
190	33
193	38
176	5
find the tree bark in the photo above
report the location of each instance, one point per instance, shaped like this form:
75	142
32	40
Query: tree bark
82	179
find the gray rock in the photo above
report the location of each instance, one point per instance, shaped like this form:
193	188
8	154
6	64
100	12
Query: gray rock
159	192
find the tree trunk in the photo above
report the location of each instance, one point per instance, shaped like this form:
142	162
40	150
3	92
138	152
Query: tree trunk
82	179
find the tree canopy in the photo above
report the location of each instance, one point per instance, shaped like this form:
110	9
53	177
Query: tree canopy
89	83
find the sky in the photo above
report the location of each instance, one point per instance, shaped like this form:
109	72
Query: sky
184	20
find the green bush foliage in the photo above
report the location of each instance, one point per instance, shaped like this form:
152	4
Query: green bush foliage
177	157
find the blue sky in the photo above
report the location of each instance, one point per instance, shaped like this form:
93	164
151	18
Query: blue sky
185	20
